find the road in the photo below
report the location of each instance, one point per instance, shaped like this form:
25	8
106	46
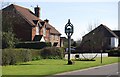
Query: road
110	70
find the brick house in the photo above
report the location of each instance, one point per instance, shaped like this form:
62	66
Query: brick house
100	38
28	26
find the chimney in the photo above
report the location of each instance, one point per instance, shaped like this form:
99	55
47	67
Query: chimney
46	20
37	11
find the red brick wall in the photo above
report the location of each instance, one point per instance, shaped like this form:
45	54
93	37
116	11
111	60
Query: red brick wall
33	32
21	28
48	35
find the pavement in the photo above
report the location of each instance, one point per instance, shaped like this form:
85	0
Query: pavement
110	70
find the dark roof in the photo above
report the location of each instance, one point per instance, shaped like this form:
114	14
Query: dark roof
105	29
37	37
63	38
117	32
30	17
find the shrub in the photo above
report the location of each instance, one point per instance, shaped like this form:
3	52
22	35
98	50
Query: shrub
36	58
11	56
8	40
113	53
52	53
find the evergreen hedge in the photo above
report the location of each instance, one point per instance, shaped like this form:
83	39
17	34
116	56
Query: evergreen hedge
52	53
13	56
114	53
33	45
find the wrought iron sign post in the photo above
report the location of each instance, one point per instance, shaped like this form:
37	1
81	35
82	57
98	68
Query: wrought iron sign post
69	31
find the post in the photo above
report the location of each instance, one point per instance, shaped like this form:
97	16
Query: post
101	56
69	48
101	51
69	31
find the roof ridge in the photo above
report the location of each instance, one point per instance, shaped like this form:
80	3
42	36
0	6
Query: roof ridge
20	12
19	6
109	30
53	28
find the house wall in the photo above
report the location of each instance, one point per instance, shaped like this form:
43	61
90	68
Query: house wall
114	42
33	32
21	28
61	42
58	41
95	41
55	38
47	37
24	30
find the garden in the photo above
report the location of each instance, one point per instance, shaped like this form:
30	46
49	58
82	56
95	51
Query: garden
43	62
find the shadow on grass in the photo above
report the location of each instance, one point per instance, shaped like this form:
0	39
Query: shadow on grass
23	76
84	60
30	64
39	64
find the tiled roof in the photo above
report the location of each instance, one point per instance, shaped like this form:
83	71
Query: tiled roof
52	29
105	29
117	32
30	17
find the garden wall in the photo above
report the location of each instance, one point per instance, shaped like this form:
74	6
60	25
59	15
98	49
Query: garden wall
86	55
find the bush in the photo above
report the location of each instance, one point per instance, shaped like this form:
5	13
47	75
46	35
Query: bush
8	58
36	58
8	40
52	53
33	45
11	56
114	53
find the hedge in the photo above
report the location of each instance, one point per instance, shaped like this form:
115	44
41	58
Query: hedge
13	56
33	45
52	53
114	53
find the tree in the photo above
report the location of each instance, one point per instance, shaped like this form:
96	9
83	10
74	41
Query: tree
78	42
92	26
74	44
8	39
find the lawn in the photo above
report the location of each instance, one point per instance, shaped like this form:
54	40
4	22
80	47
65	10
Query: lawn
50	67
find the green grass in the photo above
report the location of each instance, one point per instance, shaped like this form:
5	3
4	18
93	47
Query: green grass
49	67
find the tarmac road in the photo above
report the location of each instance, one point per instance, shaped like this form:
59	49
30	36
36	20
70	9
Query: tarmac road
110	70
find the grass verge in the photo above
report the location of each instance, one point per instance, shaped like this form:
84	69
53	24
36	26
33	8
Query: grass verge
50	66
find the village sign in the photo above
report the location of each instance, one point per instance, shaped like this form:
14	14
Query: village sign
69	31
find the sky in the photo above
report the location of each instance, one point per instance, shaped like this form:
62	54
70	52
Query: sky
81	14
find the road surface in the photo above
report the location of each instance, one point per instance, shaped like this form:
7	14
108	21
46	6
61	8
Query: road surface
110	70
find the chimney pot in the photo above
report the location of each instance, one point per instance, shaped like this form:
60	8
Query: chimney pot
37	11
46	20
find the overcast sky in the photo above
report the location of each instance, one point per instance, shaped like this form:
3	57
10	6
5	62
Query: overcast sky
81	14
